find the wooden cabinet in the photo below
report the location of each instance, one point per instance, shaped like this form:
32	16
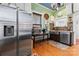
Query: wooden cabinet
70	24
62	37
65	37
55	36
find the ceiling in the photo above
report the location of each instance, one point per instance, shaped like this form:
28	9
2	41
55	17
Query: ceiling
48	5
52	5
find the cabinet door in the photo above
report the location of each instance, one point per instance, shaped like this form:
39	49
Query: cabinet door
28	7
69	8
76	7
21	6
12	5
55	36
65	38
6	4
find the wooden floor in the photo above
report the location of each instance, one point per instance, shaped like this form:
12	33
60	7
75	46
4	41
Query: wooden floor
45	49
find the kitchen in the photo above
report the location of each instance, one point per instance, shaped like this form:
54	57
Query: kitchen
60	28
39	29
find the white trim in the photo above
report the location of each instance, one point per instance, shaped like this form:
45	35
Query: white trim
37	12
61	17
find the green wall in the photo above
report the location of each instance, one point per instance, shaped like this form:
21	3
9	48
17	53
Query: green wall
61	12
39	8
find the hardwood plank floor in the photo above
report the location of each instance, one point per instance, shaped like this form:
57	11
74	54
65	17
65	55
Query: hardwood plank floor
45	49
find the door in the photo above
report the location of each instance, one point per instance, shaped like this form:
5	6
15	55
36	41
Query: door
24	33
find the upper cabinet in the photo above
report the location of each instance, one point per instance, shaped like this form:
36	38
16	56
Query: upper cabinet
21	6
69	8
6	4
26	7
9	4
76	7
12	5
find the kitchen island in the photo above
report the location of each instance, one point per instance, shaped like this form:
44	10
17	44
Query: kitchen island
64	37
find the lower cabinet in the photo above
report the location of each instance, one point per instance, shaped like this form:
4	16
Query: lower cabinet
55	36
62	37
65	38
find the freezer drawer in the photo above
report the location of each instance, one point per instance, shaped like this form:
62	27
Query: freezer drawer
25	45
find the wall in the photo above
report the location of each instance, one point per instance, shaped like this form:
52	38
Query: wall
76	21
61	13
75	16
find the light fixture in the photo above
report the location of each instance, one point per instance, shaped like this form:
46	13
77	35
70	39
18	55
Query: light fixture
56	6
